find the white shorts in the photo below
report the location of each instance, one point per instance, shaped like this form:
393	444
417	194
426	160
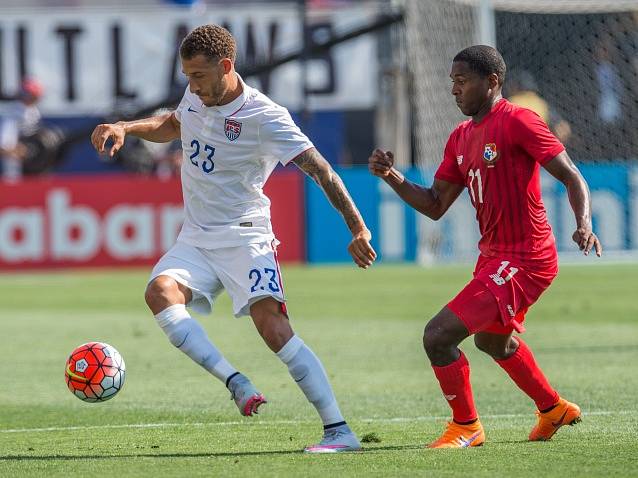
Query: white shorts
248	273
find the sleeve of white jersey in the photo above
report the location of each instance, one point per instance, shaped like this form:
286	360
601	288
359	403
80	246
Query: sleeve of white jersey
183	105
281	137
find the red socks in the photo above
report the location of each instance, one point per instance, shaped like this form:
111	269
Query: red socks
457	390
521	367
526	373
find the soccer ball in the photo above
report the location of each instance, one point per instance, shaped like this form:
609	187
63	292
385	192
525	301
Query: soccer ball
95	372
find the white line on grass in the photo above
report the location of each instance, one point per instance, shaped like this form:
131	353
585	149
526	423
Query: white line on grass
283	422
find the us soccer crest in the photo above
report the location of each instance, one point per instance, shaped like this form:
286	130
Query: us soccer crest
232	129
489	153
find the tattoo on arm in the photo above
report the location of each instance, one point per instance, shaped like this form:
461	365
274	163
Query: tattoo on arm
315	166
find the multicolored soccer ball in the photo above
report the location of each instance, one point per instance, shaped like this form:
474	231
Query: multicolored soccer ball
95	372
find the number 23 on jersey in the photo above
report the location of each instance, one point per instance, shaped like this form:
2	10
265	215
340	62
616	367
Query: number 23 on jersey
206	158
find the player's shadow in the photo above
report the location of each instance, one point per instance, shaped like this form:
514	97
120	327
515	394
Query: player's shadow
184	455
522	441
393	448
146	455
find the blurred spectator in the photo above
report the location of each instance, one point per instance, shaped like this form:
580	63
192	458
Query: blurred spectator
146	157
611	135
18	119
167	158
609	83
627	34
523	91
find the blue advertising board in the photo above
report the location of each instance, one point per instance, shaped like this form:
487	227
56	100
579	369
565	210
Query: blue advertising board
401	234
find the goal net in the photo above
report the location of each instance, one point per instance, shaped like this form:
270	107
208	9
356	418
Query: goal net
575	62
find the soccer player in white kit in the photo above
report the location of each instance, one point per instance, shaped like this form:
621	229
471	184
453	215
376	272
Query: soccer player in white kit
233	136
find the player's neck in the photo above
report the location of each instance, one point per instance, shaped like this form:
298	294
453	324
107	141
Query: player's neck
234	91
487	107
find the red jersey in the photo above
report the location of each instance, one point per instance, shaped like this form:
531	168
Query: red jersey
499	160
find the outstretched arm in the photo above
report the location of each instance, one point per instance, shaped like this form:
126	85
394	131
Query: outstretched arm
563	169
432	202
159	129
314	165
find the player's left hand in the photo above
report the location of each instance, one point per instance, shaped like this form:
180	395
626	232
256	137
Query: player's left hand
587	240
360	249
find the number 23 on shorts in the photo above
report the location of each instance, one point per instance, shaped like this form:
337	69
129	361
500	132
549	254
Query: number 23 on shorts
265	278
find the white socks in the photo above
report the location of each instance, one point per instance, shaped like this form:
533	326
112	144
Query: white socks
186	334
306	369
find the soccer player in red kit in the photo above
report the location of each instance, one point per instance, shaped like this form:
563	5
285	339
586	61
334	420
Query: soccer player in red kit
497	156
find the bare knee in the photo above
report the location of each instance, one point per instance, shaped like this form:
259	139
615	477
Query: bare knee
499	347
441	337
277	332
436	343
164	291
271	323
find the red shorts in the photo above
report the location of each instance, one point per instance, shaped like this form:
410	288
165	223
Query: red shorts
498	297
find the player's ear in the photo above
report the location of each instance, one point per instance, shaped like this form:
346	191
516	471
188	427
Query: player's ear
493	81
227	64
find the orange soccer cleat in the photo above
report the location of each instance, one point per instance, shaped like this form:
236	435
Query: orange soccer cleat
564	413
460	436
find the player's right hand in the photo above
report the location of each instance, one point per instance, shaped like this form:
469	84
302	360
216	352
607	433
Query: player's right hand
361	250
587	240
380	163
103	132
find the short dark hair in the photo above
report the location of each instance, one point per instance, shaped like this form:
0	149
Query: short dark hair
212	41
483	60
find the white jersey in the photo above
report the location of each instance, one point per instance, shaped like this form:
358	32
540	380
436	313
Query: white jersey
229	153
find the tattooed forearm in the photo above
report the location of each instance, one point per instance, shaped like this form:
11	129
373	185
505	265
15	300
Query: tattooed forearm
314	165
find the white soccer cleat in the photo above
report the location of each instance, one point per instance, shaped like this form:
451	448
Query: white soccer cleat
336	440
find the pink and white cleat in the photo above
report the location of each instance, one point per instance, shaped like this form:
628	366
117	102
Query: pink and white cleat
336	440
246	396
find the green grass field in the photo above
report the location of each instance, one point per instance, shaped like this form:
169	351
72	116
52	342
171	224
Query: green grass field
172	419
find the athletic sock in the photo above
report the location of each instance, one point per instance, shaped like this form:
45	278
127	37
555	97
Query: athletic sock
457	390
306	369
526	373
187	335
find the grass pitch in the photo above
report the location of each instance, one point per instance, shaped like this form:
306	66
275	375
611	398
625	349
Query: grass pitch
172	419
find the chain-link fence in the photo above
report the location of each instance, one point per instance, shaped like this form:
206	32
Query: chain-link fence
573	62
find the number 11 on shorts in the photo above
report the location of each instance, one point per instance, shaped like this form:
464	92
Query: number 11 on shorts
500	280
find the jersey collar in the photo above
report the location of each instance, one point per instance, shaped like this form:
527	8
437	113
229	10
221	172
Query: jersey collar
234	106
495	107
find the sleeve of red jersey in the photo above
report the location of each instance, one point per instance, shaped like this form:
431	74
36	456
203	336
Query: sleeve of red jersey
532	134
449	168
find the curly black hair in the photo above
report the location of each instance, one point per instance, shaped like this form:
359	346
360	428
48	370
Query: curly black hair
483	60
212	41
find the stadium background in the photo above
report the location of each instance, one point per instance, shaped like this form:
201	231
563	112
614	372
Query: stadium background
381	82
376	74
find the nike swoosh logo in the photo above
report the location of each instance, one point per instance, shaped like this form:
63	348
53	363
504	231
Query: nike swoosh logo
560	422
192	110
468	442
301	378
74	376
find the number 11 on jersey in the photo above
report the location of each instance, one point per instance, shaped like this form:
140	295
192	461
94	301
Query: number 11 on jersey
476	174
